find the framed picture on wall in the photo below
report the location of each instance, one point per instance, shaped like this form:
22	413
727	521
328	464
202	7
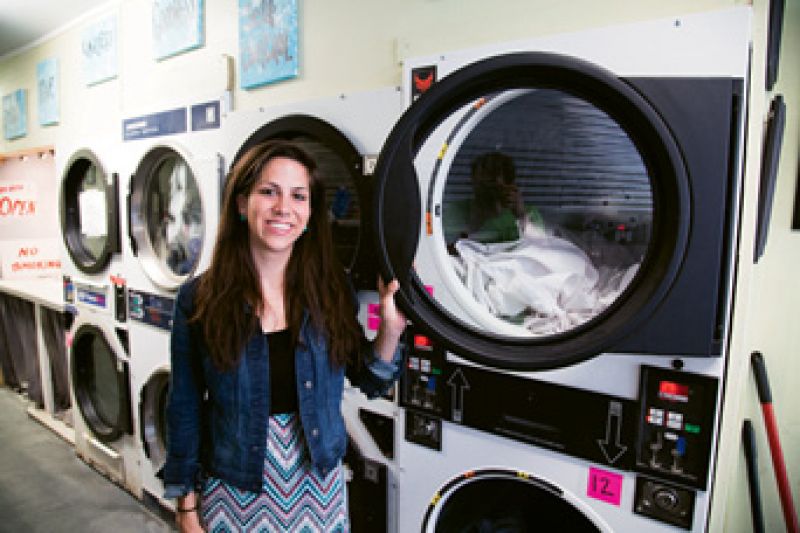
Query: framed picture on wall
177	26
47	85
15	114
267	41
99	51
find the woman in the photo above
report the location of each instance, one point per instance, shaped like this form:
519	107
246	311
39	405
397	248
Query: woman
260	344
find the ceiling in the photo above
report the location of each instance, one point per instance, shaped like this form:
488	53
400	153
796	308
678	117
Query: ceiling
23	22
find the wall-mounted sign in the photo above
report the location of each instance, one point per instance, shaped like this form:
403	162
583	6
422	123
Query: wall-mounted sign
267	41
177	26
99	51
155	124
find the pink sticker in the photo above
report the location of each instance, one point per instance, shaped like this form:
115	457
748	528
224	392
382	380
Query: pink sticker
429	289
373	309
373	323
604	486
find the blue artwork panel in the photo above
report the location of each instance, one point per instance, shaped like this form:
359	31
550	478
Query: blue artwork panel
267	41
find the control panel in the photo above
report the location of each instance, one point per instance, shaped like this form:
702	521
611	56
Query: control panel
676	425
151	309
594	426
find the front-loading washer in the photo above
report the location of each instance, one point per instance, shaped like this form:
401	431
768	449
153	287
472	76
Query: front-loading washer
562	214
99	364
344	134
174	169
97	336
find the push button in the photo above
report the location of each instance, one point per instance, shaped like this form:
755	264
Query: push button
308	385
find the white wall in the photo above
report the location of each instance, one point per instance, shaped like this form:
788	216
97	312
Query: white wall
350	45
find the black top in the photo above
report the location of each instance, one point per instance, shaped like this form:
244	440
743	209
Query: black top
283	383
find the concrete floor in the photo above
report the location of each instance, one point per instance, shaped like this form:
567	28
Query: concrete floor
44	487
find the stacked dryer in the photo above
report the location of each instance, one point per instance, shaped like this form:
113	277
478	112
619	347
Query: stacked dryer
99	357
173	173
570	318
344	134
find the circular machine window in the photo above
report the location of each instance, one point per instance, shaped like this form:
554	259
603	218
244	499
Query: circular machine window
339	167
88	213
101	388
167	217
554	202
153	418
505	502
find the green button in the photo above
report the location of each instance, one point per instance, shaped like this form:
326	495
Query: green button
692	428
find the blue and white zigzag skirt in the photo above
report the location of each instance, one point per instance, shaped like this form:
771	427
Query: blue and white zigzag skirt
293	497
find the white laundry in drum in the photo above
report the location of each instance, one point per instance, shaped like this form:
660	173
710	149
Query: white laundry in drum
543	282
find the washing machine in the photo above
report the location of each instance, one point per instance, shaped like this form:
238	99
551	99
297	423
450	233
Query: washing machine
173	173
562	214
344	134
97	337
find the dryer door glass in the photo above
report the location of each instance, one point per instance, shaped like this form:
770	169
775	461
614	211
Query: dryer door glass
88	213
167	220
542	209
503	503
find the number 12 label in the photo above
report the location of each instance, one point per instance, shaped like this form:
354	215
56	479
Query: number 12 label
604	486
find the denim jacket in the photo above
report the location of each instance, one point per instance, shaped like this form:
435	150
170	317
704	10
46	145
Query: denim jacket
217	421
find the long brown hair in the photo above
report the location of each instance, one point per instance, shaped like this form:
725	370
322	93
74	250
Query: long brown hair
229	295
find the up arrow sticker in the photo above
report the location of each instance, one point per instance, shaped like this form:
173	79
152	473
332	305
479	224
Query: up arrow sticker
611	446
459	384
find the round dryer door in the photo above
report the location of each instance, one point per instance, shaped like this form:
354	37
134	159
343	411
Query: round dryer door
533	207
346	191
500	500
89	215
166	217
153	416
100	384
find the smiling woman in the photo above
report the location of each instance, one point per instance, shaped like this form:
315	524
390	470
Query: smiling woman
260	346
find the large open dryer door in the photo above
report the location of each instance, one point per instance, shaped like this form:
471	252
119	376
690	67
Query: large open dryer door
89	212
538	209
100	382
347	190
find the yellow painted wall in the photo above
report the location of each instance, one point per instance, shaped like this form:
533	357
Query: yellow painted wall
351	45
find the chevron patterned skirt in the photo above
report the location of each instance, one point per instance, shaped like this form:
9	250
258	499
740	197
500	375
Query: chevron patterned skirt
293	497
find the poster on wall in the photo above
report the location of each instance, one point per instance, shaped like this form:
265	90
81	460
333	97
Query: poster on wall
99	51
267	41
15	114
177	27
47	83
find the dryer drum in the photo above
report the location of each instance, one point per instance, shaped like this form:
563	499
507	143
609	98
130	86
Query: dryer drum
100	384
602	187
89	213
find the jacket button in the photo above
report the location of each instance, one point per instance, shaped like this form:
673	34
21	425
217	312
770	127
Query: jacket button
308	384
315	432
